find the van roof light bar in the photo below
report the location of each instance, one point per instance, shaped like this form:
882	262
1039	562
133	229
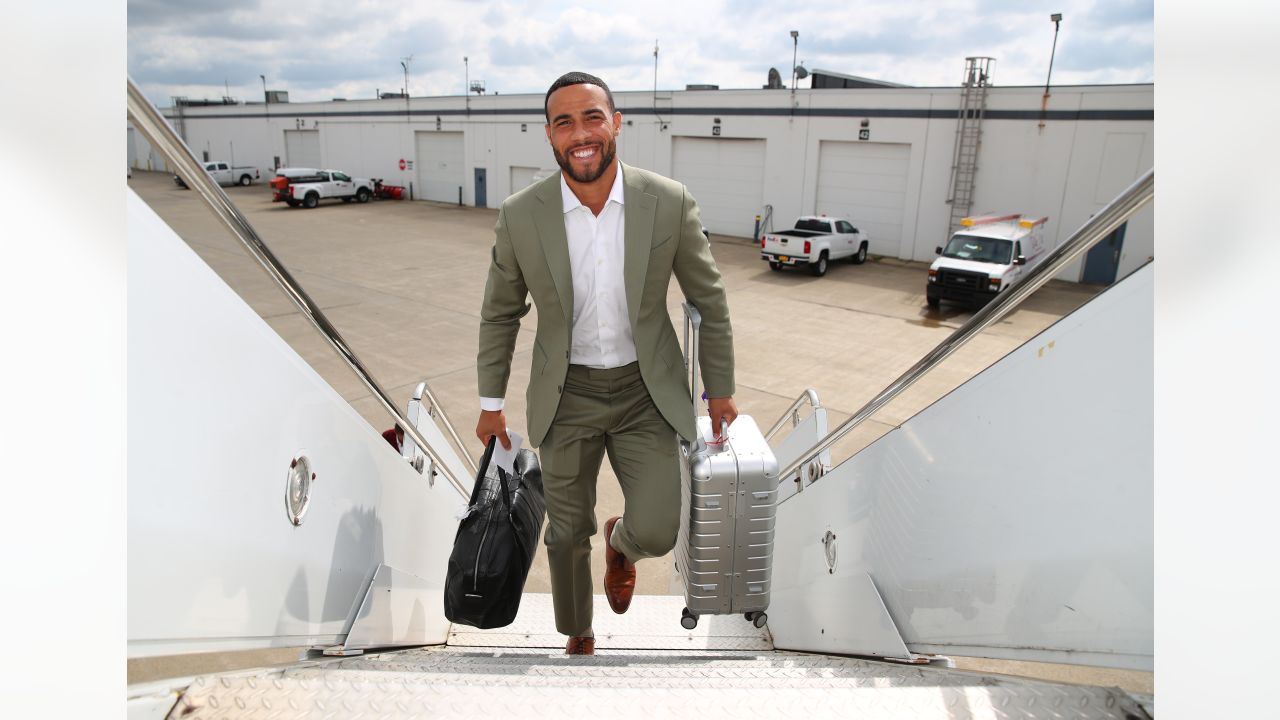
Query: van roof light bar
988	219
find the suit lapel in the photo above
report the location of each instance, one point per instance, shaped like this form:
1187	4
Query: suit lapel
548	218
637	237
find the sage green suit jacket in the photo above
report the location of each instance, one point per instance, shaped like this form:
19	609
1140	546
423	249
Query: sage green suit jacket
662	238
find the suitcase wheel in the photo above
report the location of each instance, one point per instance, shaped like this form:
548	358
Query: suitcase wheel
688	620
757	618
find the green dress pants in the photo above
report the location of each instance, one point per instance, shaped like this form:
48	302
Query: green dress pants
605	411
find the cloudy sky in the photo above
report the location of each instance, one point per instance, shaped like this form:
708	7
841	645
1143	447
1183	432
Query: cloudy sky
322	49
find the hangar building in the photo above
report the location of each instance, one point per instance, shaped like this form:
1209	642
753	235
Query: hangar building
885	157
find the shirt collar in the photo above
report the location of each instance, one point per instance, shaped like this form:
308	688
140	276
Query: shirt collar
571	202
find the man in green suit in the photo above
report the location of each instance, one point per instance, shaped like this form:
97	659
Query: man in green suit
596	246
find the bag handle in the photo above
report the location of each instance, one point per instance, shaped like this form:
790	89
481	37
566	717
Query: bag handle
484	468
506	491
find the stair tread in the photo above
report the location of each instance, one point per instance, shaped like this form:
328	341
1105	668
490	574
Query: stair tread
631	684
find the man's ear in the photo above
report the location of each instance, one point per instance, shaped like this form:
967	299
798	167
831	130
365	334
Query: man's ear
617	122
547	129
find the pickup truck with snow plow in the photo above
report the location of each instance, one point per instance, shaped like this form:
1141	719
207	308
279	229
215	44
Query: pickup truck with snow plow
814	242
225	174
307	187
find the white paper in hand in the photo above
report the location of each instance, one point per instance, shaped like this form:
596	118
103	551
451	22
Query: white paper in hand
506	459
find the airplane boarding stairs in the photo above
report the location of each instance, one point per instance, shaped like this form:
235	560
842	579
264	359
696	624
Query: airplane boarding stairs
1011	519
918	545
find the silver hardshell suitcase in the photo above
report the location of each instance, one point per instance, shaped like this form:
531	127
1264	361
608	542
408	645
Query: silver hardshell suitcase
728	504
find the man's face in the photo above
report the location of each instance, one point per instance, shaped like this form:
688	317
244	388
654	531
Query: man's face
582	131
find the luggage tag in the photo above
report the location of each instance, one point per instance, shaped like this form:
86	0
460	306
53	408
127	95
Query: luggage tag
506	459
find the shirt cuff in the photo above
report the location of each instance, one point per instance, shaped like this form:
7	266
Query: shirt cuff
487	403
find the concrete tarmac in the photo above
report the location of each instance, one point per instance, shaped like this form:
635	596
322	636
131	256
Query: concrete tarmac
403	281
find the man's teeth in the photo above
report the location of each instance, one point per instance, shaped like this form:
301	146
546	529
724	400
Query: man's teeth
584	152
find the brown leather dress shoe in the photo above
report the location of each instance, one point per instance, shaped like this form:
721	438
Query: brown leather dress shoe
581	645
619	573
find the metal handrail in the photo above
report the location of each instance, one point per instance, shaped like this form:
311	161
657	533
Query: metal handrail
431	408
434	407
161	135
1096	228
809	394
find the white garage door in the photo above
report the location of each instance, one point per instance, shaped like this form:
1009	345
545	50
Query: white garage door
439	166
302	148
726	177
867	183
521	177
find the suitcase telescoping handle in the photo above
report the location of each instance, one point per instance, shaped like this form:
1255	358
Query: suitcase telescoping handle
692	322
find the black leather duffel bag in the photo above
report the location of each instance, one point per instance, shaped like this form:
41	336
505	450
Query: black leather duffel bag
496	540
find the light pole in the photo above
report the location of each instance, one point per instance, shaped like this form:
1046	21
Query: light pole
1056	18
466	87
655	73
266	113
404	63
795	46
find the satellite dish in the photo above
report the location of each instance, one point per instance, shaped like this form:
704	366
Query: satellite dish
801	73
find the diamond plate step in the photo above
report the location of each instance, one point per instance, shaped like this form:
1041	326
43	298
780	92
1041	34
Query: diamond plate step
449	682
646	666
617	669
499	660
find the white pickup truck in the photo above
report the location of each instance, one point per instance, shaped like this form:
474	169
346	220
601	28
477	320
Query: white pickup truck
307	187
225	174
814	242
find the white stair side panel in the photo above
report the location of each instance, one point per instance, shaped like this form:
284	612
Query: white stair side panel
1012	518
219	405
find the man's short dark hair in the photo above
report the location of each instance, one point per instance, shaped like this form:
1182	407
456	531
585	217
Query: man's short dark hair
575	78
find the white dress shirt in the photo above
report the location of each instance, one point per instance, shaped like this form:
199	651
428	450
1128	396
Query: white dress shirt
601	335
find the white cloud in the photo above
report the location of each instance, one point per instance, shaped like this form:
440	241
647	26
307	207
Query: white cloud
349	49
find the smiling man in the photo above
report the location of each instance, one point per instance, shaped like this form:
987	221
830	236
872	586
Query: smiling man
596	246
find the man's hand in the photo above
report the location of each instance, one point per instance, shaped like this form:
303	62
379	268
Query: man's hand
721	408
494	422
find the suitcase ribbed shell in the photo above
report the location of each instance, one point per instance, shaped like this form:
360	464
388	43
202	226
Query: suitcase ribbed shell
729	499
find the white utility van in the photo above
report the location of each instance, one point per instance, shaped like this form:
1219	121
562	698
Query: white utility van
987	255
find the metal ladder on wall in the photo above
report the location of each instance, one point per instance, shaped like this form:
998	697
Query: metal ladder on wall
964	164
